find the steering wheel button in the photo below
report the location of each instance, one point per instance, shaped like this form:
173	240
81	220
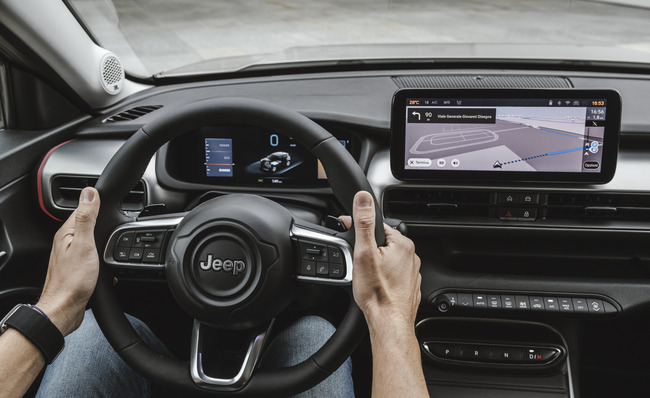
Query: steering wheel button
151	239
121	254
135	255
337	271
335	255
307	268
322	269
151	255
312	251
125	240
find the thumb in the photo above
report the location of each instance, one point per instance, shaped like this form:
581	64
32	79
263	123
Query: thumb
363	213
86	213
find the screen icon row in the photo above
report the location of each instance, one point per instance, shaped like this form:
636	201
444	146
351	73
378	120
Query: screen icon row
425	162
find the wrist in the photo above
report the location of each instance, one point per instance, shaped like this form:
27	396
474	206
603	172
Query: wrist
61	312
389	323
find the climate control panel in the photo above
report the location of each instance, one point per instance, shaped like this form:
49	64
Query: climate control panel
539	302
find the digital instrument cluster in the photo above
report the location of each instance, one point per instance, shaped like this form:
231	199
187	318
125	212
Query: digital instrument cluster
245	156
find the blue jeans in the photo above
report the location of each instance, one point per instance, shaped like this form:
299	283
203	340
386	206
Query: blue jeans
89	367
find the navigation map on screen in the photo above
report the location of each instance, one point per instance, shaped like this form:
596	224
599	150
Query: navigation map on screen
538	135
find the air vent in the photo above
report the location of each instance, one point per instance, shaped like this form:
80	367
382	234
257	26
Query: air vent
131	114
611	206
481	81
415	205
506	208
66	191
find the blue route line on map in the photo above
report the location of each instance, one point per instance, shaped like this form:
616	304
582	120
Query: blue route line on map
568	150
546	154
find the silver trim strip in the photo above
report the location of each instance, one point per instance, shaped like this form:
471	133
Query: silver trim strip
568	365
170	222
301	232
558	353
245	372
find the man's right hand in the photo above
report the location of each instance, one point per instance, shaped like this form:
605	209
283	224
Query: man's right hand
386	280
386	285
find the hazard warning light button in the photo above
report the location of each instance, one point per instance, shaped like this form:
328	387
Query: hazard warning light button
516	213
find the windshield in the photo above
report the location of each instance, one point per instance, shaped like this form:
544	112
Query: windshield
179	37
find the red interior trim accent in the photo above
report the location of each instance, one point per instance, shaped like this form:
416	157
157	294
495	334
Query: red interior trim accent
39	182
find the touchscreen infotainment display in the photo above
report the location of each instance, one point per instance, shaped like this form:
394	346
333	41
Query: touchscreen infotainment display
532	135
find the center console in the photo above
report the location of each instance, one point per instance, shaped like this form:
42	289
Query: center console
471	357
497	190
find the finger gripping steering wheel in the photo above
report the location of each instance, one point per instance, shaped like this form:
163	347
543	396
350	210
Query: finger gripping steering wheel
261	233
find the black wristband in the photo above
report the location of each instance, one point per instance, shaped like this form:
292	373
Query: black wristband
37	328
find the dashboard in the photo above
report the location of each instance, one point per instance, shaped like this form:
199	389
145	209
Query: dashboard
536	232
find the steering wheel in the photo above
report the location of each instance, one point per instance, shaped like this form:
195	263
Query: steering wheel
233	261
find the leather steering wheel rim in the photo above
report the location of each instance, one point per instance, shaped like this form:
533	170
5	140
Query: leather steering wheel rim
127	167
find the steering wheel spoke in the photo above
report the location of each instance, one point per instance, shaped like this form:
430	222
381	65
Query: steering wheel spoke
237	366
322	257
141	245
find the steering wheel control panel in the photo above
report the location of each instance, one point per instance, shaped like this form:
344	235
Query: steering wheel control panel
320	260
522	302
137	249
134	246
321	257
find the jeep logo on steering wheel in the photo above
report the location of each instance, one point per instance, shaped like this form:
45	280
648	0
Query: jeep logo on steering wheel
235	267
